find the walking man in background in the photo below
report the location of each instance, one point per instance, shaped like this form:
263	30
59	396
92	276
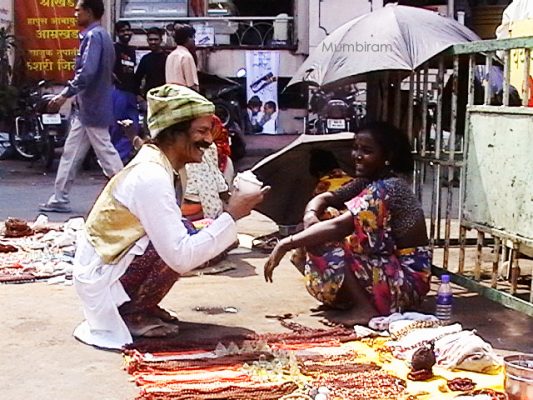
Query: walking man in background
125	91
181	63
91	86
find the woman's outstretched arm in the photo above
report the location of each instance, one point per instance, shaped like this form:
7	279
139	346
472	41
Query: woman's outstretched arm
323	232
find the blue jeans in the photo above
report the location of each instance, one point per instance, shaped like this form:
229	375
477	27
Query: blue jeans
124	107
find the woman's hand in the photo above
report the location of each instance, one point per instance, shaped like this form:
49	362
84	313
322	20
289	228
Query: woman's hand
310	218
275	257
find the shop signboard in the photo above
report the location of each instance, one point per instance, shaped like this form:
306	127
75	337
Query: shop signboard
205	35
48	33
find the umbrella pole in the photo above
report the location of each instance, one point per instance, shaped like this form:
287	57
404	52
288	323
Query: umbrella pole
385	101
451	9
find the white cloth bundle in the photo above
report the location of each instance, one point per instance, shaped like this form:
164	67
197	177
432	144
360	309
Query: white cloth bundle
404	347
466	350
382	323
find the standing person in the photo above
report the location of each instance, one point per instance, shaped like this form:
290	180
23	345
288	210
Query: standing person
136	244
151	68
92	87
125	91
181	63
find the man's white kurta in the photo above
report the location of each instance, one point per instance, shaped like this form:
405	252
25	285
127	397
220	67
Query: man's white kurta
148	194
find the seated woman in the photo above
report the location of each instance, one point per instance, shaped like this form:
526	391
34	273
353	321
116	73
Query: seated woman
206	186
135	244
384	265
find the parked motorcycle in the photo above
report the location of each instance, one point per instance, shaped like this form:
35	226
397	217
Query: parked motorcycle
37	133
229	98
336	112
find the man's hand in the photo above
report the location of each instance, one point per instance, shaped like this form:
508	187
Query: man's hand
275	257
55	104
241	204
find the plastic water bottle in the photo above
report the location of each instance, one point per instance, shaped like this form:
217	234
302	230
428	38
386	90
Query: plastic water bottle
443	309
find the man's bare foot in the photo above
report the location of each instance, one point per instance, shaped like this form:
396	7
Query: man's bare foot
142	325
164	315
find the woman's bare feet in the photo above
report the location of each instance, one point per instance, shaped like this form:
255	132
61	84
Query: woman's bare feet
298	258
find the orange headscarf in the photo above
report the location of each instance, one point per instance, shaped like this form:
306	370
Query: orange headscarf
221	139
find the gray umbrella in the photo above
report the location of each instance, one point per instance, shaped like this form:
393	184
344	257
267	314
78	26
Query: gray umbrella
287	172
394	37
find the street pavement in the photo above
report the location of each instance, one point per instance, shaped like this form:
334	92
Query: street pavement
43	361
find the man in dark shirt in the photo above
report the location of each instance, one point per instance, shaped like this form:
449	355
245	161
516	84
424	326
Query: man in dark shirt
125	91
91	89
151	68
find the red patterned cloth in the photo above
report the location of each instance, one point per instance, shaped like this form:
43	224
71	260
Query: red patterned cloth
147	281
221	139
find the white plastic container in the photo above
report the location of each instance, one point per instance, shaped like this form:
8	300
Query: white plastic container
444	302
247	182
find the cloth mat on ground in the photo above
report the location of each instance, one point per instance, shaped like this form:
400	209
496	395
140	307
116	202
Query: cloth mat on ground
292	365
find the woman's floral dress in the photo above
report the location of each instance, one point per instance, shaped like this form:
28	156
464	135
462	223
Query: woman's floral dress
395	279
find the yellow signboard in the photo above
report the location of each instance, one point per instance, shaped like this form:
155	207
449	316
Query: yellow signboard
521	29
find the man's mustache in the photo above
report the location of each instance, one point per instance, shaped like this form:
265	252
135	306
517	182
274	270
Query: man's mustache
203	144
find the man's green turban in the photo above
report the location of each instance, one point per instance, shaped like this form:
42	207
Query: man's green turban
170	104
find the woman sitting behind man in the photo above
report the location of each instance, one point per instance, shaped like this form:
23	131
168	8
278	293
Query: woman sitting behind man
376	253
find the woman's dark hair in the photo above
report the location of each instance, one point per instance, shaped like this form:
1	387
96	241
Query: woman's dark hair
168	135
394	143
182	33
155	31
96	7
121	24
321	162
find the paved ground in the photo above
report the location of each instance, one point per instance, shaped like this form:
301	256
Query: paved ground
43	361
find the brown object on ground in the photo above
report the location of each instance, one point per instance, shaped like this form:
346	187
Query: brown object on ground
7	248
369	385
17	228
260	391
494	394
331	365
461	384
423	358
420	375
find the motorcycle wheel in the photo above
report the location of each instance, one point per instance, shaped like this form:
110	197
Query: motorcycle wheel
223	112
24	143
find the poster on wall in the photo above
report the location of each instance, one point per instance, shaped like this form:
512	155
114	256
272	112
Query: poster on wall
262	70
6	13
48	32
